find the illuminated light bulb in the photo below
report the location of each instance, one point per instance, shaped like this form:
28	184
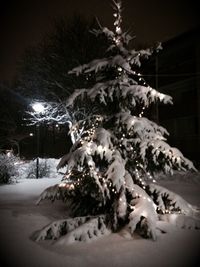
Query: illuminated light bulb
119	69
118	29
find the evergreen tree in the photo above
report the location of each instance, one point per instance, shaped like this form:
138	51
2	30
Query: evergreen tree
109	181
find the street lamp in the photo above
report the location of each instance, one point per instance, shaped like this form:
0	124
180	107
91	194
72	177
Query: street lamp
38	108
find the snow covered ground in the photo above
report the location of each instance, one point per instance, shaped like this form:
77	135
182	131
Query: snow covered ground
20	217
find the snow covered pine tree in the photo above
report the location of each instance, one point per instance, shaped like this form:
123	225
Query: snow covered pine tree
109	181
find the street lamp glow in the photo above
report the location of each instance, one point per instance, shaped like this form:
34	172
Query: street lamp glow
38	107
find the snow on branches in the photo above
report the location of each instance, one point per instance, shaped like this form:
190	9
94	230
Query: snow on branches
121	89
73	230
111	165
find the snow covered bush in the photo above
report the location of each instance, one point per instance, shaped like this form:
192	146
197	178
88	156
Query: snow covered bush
47	168
44	169
110	168
8	168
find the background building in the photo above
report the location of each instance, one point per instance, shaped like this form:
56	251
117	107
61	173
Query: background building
176	71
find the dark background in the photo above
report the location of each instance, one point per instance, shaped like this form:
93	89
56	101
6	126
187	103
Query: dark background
25	22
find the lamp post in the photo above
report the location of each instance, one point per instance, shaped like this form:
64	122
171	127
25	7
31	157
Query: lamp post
38	108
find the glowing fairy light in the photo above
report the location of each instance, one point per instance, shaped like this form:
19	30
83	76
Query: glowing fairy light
118	29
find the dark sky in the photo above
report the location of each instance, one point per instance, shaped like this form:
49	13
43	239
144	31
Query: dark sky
24	22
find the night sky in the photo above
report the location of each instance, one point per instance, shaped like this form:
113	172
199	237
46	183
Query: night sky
25	22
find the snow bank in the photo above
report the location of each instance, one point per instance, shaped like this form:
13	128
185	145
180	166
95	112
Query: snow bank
20	217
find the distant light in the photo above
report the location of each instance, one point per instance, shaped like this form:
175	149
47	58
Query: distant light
31	134
38	107
57	125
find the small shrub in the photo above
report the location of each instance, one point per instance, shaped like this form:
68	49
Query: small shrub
44	169
7	168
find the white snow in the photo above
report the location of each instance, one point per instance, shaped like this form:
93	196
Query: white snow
20	218
116	171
